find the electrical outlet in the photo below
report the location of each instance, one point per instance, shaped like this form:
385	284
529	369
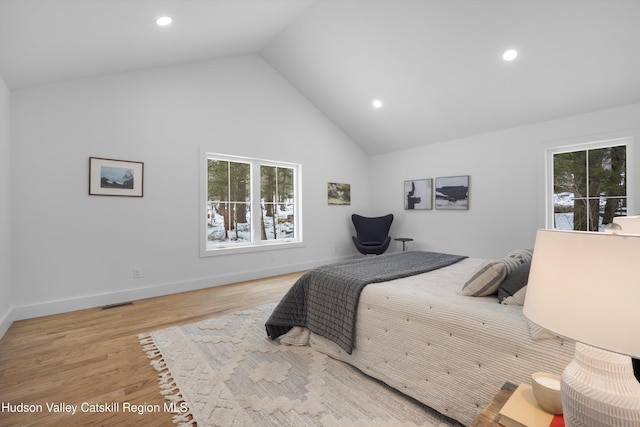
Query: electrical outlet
137	272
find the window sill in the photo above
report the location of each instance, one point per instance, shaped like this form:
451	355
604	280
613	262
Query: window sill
232	249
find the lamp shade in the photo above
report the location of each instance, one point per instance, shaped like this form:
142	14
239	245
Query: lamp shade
586	286
629	224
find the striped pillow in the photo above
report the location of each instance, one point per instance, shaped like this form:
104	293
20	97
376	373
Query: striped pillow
512	263
486	279
522	255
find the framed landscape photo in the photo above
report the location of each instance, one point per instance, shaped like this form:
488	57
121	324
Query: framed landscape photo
110	177
338	194
418	194
452	192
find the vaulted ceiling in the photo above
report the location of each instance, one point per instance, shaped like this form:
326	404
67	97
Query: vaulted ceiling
436	65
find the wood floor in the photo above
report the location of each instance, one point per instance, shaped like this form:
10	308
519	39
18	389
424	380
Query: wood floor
94	355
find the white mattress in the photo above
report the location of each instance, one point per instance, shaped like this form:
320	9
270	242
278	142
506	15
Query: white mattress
449	351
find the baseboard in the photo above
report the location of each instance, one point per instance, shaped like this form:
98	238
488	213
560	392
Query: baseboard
6	322
97	300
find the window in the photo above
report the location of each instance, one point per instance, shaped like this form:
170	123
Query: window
588	185
228	201
277	194
251	204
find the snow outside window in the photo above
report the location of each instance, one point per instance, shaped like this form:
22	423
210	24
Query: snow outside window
588	185
251	204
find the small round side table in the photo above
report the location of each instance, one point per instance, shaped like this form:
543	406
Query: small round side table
404	240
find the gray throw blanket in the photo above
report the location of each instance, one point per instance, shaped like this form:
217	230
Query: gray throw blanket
325	299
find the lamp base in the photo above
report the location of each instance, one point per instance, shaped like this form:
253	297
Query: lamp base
598	388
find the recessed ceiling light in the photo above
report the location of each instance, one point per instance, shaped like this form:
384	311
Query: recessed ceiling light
165	20
510	55
377	103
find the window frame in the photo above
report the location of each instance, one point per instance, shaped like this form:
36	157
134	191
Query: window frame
626	141
257	244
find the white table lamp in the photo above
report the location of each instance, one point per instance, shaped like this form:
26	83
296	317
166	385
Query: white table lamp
629	224
586	287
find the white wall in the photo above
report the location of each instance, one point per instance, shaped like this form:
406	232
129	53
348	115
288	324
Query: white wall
72	250
507	182
5	211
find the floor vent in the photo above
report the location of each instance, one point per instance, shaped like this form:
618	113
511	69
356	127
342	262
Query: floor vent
118	304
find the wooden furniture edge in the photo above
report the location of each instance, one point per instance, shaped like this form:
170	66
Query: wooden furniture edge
489	416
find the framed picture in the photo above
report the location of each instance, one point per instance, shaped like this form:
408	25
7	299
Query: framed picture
452	192
110	177
418	194
338	194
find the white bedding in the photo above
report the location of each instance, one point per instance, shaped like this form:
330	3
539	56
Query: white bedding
449	351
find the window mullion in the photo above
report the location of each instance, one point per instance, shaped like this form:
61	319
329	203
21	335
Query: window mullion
256	212
588	188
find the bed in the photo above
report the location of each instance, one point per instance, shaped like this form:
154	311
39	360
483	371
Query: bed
452	352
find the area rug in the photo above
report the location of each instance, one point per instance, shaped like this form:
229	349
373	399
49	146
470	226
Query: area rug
226	372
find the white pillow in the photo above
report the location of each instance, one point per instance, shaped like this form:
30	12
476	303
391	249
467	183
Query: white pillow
517	298
539	333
